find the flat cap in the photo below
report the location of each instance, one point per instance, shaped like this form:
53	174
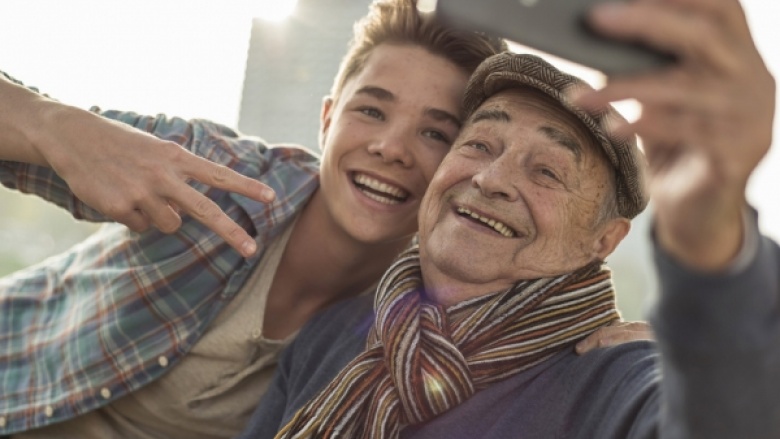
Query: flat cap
511	70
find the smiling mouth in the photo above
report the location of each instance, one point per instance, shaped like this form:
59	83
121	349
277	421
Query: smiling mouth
490	223
379	191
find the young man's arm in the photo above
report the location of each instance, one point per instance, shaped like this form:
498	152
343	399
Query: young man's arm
124	173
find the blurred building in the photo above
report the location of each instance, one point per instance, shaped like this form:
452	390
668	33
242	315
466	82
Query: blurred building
290	67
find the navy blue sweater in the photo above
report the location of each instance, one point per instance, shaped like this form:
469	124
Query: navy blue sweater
714	372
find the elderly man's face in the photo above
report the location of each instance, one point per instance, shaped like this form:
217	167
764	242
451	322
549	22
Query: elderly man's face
518	197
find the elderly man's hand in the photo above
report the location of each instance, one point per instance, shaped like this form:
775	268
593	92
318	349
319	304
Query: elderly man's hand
617	332
128	175
705	123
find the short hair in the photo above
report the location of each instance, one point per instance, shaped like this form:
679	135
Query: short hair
400	22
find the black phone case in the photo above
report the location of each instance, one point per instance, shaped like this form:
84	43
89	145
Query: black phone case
554	26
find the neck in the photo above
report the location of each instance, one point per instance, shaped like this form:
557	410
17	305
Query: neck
449	287
330	264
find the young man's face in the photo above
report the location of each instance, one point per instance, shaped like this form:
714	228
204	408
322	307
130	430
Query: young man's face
384	137
518	197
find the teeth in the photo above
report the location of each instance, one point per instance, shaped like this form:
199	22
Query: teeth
392	194
381	199
496	225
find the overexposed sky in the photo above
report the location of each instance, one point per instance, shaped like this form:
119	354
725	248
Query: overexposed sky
186	58
181	57
764	189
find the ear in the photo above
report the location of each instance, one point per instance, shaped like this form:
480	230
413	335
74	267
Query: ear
614	231
325	119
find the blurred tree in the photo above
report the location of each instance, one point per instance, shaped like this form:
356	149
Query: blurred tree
31	230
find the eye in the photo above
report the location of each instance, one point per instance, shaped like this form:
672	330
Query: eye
549	173
479	146
472	148
372	112
438	136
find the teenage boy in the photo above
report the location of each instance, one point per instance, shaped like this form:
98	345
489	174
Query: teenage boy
138	333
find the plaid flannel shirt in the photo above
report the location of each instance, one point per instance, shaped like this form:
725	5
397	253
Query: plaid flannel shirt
119	309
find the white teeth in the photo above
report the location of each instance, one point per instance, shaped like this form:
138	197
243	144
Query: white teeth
394	195
496	225
381	199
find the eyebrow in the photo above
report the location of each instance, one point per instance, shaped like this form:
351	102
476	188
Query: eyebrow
387	96
564	140
377	92
491	114
444	116
554	134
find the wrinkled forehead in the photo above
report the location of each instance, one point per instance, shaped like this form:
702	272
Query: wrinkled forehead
522	99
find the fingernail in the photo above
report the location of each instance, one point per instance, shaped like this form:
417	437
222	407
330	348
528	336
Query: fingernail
249	248
269	194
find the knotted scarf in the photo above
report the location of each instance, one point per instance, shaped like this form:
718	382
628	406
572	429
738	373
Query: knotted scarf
422	359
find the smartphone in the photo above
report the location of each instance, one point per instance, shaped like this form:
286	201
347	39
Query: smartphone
557	27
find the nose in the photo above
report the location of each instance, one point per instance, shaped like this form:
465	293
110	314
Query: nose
497	179
394	147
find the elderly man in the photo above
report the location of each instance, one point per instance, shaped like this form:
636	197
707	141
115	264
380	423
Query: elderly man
472	333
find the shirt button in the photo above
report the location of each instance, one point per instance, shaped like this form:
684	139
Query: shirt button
162	361
257	334
2	421
49	411
105	393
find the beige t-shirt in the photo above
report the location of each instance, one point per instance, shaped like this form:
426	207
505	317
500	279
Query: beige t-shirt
212	391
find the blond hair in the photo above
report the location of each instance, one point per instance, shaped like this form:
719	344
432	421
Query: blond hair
400	22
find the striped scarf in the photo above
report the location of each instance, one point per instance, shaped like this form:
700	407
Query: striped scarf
423	359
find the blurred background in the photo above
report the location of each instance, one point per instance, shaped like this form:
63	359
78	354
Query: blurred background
260	65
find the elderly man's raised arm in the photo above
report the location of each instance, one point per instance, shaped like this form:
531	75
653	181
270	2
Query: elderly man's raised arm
719	335
124	173
706	124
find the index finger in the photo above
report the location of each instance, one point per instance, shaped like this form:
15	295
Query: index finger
222	177
729	12
208	213
692	36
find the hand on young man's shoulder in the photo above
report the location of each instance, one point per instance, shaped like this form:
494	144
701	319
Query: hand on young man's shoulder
616	333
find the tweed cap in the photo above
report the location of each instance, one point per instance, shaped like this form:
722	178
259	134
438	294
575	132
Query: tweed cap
512	70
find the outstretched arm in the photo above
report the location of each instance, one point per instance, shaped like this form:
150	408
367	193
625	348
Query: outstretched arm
706	123
124	173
